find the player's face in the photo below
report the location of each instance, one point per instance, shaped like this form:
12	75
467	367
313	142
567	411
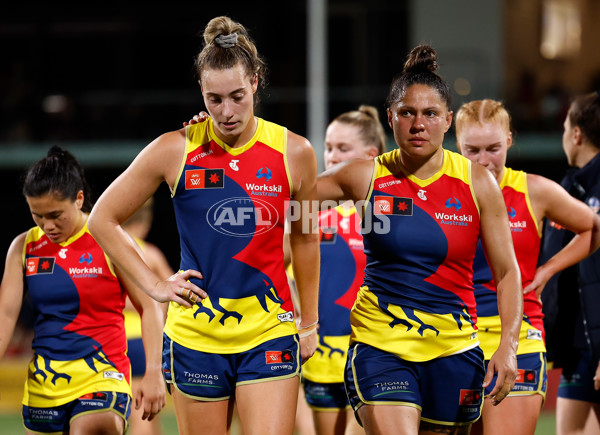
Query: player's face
343	142
486	144
229	98
58	218
419	121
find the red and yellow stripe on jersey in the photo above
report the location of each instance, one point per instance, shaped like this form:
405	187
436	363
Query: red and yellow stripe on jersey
79	338
420	239
526	236
342	271
230	206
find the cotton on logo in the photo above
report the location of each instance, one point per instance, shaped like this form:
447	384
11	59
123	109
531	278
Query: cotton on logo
242	217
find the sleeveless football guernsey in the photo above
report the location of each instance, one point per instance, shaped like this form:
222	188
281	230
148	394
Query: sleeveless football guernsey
230	206
526	238
342	271
420	239
78	303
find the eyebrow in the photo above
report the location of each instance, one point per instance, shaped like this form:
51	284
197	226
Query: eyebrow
214	94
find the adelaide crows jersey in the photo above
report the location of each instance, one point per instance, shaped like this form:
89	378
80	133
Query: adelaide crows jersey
526	236
420	239
230	206
342	271
79	334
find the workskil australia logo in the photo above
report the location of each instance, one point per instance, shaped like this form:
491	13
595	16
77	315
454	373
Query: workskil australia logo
256	189
242	217
458	219
516	226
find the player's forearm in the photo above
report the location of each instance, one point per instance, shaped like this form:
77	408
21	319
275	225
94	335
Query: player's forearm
306	263
510	308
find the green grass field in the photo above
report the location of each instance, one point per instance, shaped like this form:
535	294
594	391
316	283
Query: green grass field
10	424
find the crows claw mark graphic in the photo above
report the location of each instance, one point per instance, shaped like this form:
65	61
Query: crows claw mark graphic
100	357
410	313
332	349
268	292
47	368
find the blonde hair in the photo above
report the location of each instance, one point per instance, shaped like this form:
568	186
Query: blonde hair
239	48
366	118
482	111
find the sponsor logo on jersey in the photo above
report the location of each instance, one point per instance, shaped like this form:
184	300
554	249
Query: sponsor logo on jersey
469	397
86	258
327	235
393	205
515	226
204	178
95	396
286	317
63	253
454	218
279	356
41	245
264	173
114	375
422	194
264	189
233	165
201	378
525	376
39	265
534	334
388	183
453	202
201	155
242	217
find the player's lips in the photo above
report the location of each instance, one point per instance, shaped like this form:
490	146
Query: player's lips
229	125
417	140
53	236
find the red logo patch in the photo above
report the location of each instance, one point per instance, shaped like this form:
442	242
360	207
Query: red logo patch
39	265
273	356
204	178
470	397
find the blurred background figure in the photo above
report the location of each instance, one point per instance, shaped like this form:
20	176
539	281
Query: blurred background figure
138	226
572	298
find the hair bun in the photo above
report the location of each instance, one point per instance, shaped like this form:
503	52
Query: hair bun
422	58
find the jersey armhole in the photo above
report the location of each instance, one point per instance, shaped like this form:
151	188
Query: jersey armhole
188	129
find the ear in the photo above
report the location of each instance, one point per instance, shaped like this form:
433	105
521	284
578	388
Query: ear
389	114
254	83
449	120
200	83
509	140
372	152
79	199
577	135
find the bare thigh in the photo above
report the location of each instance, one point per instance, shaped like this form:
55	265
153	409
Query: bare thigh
388	419
330	422
576	417
105	423
210	418
516	415
269	407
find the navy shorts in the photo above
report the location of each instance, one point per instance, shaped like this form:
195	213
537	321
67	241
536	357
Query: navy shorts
532	377
580	386
58	418
446	390
325	397
213	376
137	356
